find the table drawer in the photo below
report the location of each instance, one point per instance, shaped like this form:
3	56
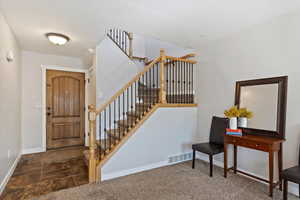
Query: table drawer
254	145
232	140
249	144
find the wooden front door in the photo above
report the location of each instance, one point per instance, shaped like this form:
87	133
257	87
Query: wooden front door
65	109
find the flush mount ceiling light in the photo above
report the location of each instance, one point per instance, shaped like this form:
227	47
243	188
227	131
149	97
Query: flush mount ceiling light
57	38
92	51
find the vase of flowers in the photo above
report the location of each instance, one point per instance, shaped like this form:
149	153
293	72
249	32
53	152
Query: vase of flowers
232	113
244	115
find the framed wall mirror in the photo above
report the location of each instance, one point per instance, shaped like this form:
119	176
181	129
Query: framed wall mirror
266	98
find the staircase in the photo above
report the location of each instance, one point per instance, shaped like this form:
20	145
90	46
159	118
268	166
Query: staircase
165	82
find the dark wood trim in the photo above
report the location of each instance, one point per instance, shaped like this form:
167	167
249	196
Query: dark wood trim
282	82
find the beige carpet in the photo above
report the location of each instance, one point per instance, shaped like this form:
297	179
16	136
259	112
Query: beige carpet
177	182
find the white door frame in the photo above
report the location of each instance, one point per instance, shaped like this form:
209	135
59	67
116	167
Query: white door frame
44	92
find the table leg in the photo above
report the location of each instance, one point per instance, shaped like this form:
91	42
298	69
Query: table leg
280	166
234	158
194	157
271	173
225	160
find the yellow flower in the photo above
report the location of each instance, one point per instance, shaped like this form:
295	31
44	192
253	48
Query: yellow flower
232	112
245	113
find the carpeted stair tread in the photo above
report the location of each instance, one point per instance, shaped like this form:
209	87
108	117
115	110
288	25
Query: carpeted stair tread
115	133
125	123
134	114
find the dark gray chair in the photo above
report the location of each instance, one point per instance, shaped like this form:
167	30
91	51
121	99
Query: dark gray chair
291	174
216	141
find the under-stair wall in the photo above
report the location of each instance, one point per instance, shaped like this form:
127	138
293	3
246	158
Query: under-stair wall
168	132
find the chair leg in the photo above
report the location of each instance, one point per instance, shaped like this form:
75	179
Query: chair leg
211	165
194	155
285	189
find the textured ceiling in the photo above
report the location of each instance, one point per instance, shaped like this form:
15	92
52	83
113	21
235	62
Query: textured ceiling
188	23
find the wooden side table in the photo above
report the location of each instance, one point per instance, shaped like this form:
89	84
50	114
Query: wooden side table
261	143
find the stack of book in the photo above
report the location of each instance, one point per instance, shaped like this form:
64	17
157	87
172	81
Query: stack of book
237	132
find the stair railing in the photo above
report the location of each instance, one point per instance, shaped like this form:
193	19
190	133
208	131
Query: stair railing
123	40
179	75
166	80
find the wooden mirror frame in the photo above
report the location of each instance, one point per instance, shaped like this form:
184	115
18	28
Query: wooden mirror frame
282	82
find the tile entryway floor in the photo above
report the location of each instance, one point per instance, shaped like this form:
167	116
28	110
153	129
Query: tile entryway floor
42	173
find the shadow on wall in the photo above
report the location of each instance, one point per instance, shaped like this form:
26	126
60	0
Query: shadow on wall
291	147
187	146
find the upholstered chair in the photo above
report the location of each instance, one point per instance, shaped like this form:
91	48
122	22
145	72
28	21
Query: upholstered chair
216	141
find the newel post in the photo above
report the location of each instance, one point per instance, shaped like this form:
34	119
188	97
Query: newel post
130	35
92	145
162	92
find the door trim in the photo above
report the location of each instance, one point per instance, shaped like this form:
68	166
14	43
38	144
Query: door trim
44	92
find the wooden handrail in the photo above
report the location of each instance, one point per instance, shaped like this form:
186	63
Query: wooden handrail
190	55
127	85
144	59
181	59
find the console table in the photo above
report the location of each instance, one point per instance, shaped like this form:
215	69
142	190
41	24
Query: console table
261	143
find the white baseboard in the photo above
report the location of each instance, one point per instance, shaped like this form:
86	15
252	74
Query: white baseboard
9	174
293	188
126	172
133	171
33	150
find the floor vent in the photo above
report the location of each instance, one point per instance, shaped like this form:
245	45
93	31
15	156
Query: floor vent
180	158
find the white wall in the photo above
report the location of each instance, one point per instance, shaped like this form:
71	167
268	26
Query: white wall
32	95
153	47
10	103
168	132
265	50
113	70
139	50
